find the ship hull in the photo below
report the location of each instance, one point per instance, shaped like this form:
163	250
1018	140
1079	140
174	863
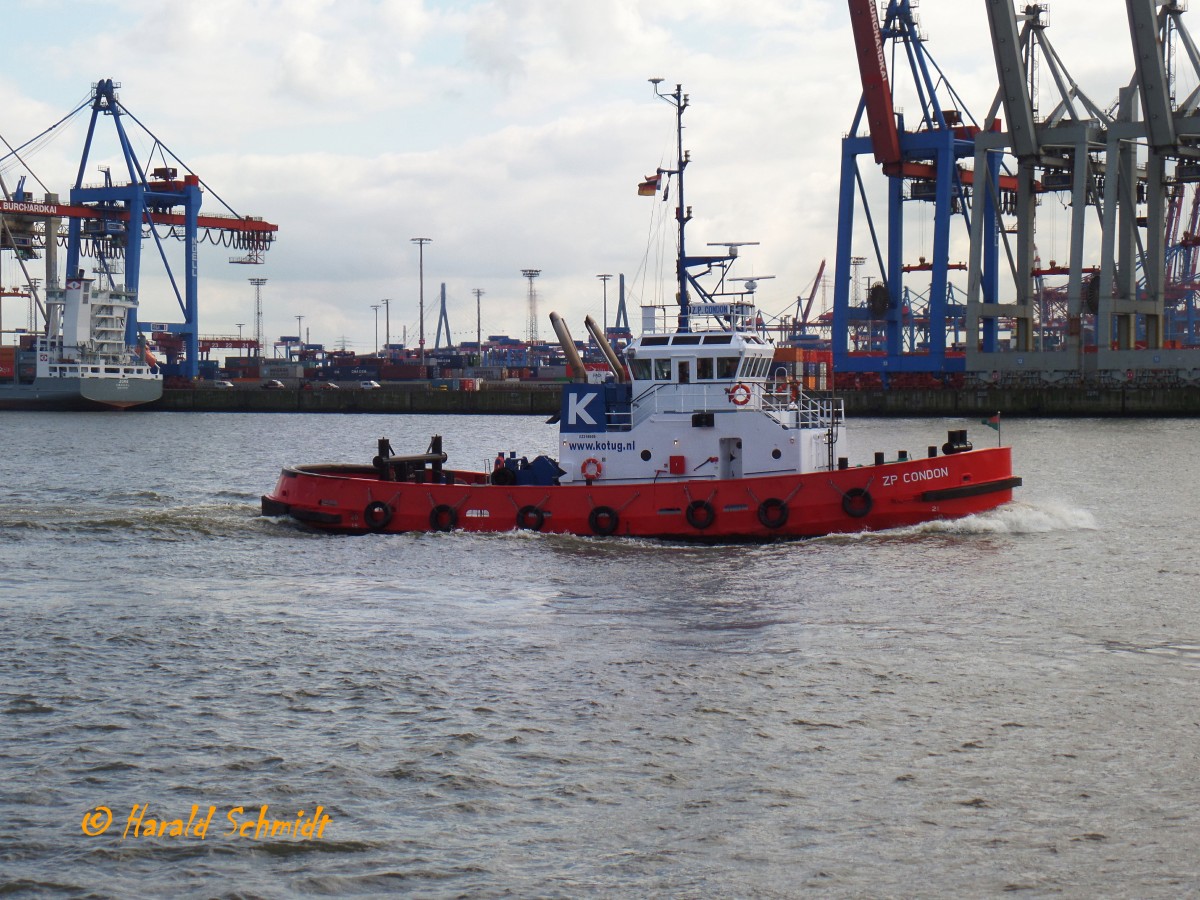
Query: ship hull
355	499
80	394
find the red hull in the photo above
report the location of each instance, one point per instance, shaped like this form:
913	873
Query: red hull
865	498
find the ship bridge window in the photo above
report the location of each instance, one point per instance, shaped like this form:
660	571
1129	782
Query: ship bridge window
686	339
727	366
641	369
718	339
657	340
662	370
704	368
755	366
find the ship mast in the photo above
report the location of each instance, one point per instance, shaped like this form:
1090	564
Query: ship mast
679	100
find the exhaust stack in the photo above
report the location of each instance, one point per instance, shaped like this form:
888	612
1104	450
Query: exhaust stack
568	346
609	354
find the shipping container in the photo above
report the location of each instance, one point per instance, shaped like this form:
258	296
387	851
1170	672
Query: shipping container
282	370
493	373
402	372
350	373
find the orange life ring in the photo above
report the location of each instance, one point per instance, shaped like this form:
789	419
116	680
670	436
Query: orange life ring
739	395
591	468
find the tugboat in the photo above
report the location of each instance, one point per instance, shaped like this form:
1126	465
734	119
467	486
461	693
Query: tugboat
697	438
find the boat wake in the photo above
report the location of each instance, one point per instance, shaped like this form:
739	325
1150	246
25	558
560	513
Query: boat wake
1020	518
170	523
1012	518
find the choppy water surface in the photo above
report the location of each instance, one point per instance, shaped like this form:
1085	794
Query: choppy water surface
1007	703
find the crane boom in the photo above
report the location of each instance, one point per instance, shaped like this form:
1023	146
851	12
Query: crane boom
79	211
813	293
877	93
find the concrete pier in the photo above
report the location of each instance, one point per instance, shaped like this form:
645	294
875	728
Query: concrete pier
543	399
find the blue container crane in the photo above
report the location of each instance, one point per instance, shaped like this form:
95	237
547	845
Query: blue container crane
108	222
926	159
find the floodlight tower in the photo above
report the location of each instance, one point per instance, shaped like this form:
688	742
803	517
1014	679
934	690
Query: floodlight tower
531	331
604	281
478	326
421	242
258	337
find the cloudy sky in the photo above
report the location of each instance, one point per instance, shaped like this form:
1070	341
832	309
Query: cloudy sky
512	133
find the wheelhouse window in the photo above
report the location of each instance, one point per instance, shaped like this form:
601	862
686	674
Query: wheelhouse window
755	366
704	368
641	369
662	370
727	366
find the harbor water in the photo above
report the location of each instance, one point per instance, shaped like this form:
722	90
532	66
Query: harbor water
1006	703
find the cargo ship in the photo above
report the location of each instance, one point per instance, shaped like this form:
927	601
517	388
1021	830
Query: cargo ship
82	360
696	436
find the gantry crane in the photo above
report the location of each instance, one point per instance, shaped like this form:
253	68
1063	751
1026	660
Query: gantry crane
921	160
108	222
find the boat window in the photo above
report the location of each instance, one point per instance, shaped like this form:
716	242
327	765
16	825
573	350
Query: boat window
727	366
704	368
641	369
750	367
685	371
686	339
718	338
662	370
656	340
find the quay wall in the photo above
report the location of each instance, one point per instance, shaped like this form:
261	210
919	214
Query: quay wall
519	399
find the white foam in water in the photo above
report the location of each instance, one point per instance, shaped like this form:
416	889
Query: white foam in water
1017	518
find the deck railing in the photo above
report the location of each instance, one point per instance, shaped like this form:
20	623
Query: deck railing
795	409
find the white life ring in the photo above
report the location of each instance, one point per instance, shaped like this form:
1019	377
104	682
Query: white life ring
739	394
591	468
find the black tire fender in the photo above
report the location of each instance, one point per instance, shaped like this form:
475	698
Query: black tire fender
700	514
857	502
377	515
603	520
443	518
530	518
773	513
